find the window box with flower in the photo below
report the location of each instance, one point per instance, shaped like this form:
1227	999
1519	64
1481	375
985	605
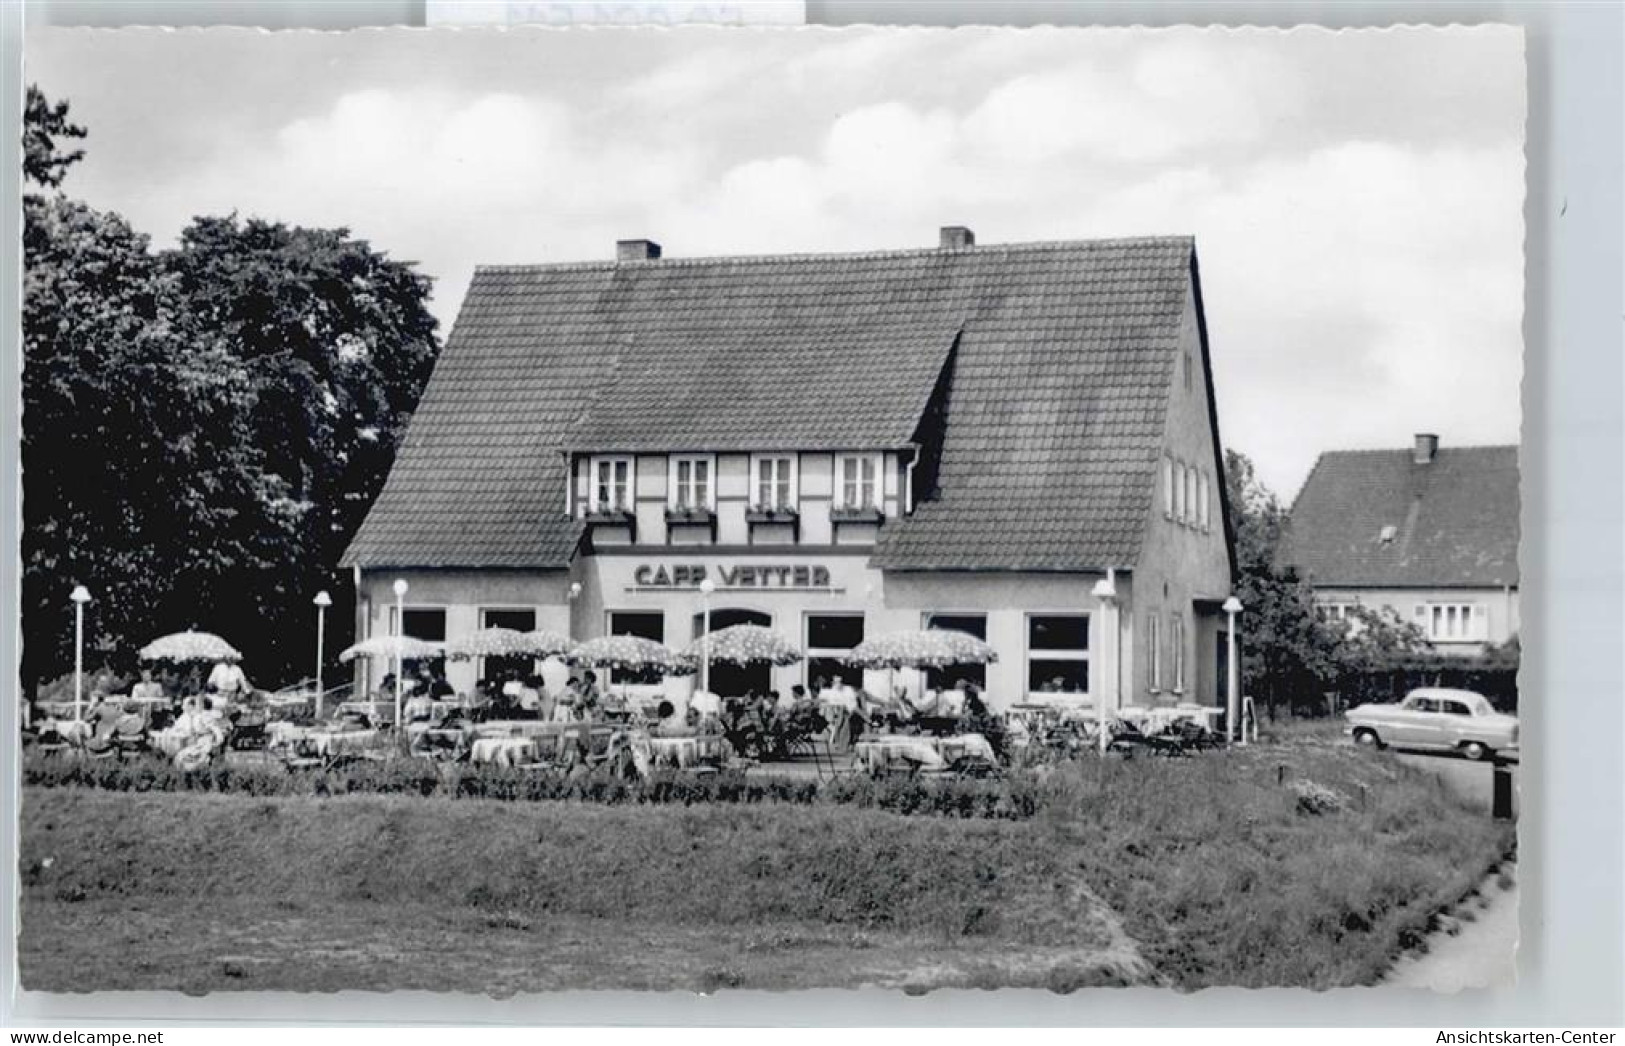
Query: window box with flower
856	514
771	514
697	515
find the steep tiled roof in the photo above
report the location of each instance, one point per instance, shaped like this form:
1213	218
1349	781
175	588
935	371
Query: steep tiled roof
1054	416
758	384
1455	519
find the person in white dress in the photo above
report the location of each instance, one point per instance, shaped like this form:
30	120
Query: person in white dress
228	679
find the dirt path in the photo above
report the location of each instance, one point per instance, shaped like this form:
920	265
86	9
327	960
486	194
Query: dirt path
1475	946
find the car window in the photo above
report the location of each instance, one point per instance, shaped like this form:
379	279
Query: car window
1422	704
1455	708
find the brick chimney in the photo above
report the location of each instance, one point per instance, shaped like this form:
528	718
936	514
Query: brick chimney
1427	447
636	250
957	238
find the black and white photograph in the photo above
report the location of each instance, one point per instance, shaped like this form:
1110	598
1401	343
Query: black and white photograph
699	510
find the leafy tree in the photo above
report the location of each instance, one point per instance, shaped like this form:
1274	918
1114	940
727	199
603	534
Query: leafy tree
204	428
1292	653
337	343
45	163
140	476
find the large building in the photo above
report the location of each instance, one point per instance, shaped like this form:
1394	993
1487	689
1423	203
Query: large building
844	445
1429	532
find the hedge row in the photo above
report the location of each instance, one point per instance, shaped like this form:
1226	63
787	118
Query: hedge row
1015	798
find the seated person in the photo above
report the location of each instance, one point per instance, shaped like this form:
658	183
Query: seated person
592	697
614	705
440	689
419	709
669	722
479	702
149	688
527	697
565	705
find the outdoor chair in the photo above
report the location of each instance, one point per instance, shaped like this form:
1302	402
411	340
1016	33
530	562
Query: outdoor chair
50	742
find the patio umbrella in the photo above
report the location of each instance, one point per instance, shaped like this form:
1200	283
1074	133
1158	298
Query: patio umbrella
508	642
190	646
630	653
926	648
745	645
391	646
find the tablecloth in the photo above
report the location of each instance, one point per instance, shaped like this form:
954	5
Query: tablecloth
880	752
338	742
503	751
73	730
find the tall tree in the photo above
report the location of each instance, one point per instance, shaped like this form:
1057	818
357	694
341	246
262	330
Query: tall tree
337	343
1291	652
45	162
204	428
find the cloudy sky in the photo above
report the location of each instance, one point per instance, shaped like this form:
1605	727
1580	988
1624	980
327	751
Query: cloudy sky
1356	197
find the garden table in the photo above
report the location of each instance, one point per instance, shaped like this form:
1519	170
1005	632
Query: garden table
531	728
684	751
73	731
503	751
973	745
375	711
878	753
339	742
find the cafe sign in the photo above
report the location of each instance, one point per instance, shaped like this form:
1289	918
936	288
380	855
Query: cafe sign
726	577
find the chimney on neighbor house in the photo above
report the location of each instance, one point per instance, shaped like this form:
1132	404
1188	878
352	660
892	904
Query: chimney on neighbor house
636	250
1427	446
957	238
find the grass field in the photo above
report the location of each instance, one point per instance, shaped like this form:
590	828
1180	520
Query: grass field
1214	870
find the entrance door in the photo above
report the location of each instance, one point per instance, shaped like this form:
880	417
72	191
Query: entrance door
736	680
1223	673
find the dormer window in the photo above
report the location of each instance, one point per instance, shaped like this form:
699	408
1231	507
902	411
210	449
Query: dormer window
858	482
692	489
612	485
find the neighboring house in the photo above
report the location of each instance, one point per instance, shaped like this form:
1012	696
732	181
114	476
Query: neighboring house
1430	532
844	445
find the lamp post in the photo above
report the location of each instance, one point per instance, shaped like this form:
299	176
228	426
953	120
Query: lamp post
322	601
80	596
1105	591
400	635
707	586
1232	680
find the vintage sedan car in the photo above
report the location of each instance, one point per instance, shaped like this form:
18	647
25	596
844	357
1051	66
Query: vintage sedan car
1436	718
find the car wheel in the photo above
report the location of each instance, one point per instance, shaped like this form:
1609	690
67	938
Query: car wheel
1475	751
1367	738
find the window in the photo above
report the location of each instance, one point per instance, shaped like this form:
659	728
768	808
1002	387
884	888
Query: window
1201	500
1153	652
1167	487
691	486
947	678
829	638
1337	611
612	485
1454	708
646	624
1422	704
1190	495
426	623
1452	622
859	481
1186	358
1176	640
1179	491
1058	653
775	483
503	667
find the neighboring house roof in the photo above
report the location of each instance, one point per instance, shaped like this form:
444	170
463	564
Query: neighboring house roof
1054	416
1454	519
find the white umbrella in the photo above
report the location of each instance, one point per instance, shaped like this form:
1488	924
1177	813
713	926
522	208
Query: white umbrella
190	646
508	642
404	647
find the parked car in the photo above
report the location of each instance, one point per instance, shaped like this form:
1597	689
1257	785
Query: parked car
1436	718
